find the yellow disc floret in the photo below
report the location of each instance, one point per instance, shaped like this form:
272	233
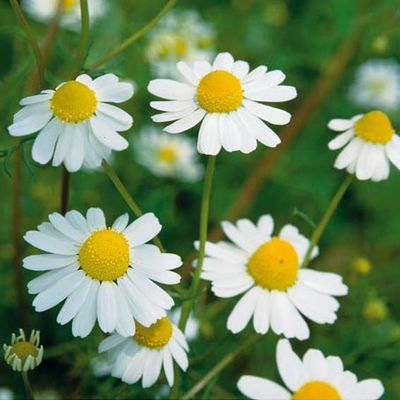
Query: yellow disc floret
219	92
180	47
167	154
105	255
317	390
374	126
67	4
274	265
73	102
155	336
23	350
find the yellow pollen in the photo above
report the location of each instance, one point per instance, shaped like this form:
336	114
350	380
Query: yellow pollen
105	255
374	126
167	154
274	265
219	92
67	4
24	349
180	47
73	102
155	336
317	390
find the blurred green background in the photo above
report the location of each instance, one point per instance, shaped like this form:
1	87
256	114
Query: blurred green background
298	36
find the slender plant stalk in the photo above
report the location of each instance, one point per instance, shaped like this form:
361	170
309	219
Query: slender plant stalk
84	41
319	230
132	39
65	186
32	40
27	386
126	196
218	368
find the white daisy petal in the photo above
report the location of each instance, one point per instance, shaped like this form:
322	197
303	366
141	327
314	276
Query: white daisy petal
324	282
262	313
107	312
30	124
187	122
240	69
107	136
208	141
262	389
341	140
142	229
45	142
270	114
171	90
340	125
117	119
95	219
368	389
392	149
223	61
187	73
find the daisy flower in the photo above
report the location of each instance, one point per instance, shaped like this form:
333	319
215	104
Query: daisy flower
146	353
103	273
377	85
316	377
76	124
369	142
181	35
267	269
45	10
226	97
24	354
168	156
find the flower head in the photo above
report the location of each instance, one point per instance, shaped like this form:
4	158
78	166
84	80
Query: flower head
104	273
23	354
375	310
267	269
377	85
225	97
146	353
315	377
76	125
369	142
169	156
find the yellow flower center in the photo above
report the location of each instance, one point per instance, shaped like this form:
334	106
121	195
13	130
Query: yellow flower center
317	390
374	126
378	85
24	349
180	47
67	4
167	154
274	265
105	255
219	92
73	102
155	336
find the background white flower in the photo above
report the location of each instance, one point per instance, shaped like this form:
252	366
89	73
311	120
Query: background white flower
103	273
6	393
180	36
267	269
147	353
45	10
192	325
76	124
377	85
316	377
225	97
369	142
166	155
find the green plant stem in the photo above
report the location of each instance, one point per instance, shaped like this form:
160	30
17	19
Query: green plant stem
84	41
188	303
32	40
219	367
27	386
326	218
132	39
126	196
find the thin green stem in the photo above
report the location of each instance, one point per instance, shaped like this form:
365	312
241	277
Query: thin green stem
27	386
84	41
126	196
218	368
326	218
32	40
132	39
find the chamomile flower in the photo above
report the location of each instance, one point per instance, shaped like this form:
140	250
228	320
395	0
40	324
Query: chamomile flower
377	85
146	353
45	10
168	156
24	354
225	97
181	35
103	273
369	142
267	269
315	377
76	124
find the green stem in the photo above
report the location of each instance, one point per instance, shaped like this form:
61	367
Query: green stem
27	386
84	42
218	368
130	40
126	196
326	218
32	40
